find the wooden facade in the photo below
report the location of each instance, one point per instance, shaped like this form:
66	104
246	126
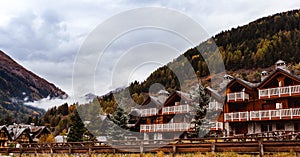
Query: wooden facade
21	133
4	136
271	105
166	116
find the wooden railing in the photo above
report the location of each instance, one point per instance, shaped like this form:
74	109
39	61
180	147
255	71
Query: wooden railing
169	127
215	105
241	145
237	96
278	91
216	126
148	112
176	109
290	113
166	110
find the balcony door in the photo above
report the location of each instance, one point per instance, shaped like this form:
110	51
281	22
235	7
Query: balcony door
266	127
241	128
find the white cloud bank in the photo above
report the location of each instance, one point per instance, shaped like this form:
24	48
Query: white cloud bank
45	36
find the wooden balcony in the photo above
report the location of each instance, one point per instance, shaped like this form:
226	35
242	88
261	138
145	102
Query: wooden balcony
169	127
176	109
279	92
216	126
237	96
215	106
148	112
278	114
166	110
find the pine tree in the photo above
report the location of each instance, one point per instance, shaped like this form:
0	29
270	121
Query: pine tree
199	103
118	123
77	129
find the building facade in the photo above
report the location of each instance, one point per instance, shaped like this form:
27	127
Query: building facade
271	105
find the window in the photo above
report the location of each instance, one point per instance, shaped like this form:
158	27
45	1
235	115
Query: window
280	126
278	105
266	127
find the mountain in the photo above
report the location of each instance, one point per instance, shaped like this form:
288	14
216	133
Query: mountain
245	51
18	85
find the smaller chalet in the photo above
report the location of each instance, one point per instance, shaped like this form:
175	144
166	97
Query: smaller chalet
4	137
165	116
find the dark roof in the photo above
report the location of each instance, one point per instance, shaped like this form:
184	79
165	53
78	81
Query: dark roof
182	95
3	127
163	92
277	71
243	82
213	93
152	99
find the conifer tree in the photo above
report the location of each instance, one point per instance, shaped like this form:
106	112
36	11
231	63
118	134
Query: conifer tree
199	103
118	123
77	129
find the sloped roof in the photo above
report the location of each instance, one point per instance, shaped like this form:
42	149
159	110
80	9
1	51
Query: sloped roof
152	99
243	82
37	131
214	93
276	72
17	132
3	127
182	95
163	92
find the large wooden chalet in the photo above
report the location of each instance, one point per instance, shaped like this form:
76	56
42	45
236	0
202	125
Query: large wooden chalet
240	108
168	116
271	105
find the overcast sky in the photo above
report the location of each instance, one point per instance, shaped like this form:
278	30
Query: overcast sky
45	36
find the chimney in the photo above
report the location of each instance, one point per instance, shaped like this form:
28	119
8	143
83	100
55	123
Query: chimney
162	96
282	65
263	75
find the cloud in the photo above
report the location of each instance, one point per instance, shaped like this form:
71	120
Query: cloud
46	36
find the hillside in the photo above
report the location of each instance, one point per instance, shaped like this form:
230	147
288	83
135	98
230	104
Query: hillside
246	51
18	85
248	48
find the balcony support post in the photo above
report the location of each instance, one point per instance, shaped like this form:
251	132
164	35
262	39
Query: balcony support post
280	114
247	114
290	90
259	115
269	92
270	116
291	111
235	96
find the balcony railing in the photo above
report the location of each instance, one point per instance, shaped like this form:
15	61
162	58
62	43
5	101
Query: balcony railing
216	126
290	113
238	96
176	109
278	91
237	116
169	127
166	110
215	106
148	112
